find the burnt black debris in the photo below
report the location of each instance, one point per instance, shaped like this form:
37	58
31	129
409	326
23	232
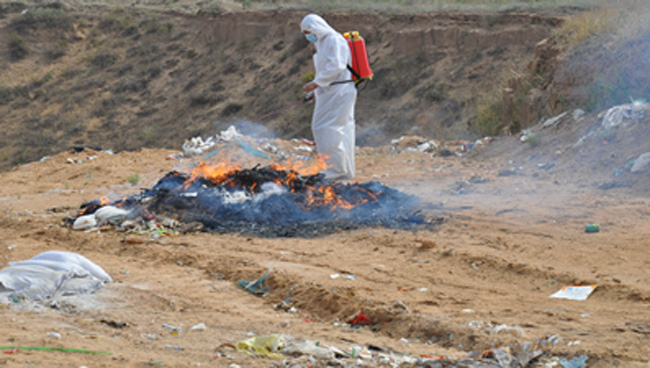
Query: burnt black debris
269	202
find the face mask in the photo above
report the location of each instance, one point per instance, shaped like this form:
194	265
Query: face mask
311	37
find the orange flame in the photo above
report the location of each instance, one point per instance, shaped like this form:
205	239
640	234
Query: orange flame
302	167
216	173
326	196
103	201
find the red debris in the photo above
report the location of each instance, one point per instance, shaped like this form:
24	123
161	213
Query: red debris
360	319
431	356
307	142
12	351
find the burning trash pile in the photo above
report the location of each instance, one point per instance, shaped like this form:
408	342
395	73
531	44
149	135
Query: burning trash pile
271	201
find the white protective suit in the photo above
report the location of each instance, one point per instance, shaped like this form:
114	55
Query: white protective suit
333	120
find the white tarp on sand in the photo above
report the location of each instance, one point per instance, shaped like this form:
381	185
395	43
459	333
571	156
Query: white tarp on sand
52	273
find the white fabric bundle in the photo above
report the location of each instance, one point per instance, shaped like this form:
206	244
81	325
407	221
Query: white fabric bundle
50	273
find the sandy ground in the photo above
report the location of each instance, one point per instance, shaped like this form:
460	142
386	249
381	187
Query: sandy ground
506	244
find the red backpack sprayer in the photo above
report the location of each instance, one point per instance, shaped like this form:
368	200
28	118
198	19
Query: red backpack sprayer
360	70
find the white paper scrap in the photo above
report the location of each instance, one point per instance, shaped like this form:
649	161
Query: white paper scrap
574	292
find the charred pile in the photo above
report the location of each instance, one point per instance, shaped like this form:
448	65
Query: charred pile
269	202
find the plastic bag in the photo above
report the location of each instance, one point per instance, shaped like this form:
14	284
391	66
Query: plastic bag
52	272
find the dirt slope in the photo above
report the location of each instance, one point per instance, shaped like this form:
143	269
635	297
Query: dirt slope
127	78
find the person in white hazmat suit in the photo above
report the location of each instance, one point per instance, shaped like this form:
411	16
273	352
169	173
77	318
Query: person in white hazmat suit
333	119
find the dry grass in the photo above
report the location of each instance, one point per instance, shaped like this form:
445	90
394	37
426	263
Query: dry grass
584	25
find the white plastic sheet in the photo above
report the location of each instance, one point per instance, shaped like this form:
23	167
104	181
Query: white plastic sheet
51	273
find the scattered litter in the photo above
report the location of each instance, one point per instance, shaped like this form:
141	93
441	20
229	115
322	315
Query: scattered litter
50	273
173	328
578	362
229	134
574	292
334	276
306	347
360	319
85	222
54	335
114	324
553	121
110	215
257	287
616	115
215	152
641	162
304	149
200	327
174	347
253	151
307	142
504	327
265	345
12	246
592	228
196	145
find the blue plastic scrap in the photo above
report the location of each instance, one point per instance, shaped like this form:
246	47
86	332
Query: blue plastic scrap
257	287
578	362
253	151
215	152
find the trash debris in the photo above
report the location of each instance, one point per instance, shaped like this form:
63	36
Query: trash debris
257	287
269	345
592	228
215	152
504	327
307	142
110	215
196	145
336	276
253	151
229	134
85	222
306	347
174	347
578	362
114	324
360	319
173	328
617	114
199	327
574	292
553	121
54	335
641	162
518	355
50	273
